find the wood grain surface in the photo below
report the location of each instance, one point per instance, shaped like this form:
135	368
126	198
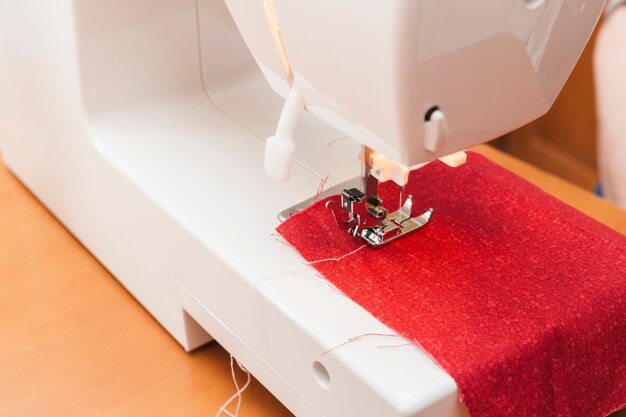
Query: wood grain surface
73	342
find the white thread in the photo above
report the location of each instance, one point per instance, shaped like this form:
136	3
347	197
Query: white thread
250	293
257	284
359	337
336	259
238	314
280	239
396	346
284	243
337	290
237	394
253	288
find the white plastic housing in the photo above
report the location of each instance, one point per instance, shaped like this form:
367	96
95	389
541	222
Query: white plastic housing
375	68
141	124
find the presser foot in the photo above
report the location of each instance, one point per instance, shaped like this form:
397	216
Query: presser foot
393	229
367	219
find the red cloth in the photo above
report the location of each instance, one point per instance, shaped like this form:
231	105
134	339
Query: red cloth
519	297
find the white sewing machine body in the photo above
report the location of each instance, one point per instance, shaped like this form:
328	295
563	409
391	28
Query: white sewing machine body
141	125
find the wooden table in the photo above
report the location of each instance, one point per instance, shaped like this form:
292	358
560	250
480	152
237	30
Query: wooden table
73	342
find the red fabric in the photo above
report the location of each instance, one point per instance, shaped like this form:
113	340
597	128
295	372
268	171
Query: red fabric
519	297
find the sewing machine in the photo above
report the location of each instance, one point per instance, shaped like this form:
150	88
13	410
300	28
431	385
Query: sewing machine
142	125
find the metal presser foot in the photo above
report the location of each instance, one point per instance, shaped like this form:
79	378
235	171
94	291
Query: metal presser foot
363	215
370	221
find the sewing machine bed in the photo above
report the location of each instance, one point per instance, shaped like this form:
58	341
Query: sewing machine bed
142	199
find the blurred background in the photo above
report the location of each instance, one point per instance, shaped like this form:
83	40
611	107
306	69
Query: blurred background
564	142
583	138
